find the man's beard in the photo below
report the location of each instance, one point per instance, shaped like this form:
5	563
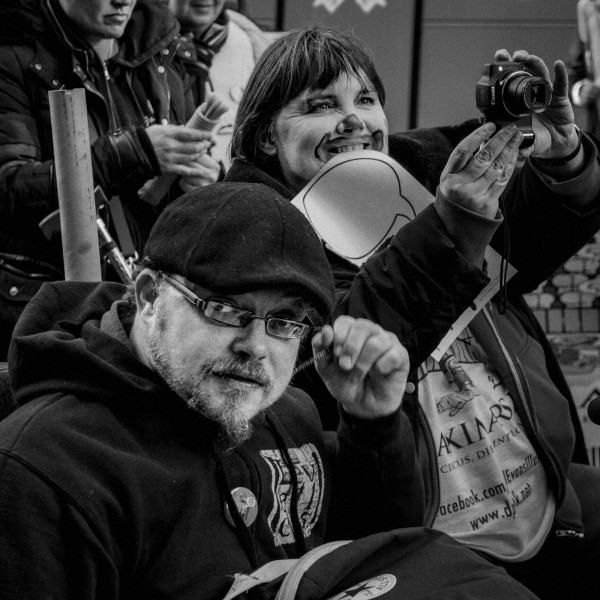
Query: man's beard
232	409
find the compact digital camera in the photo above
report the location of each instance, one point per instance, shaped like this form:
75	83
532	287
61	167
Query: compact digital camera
506	92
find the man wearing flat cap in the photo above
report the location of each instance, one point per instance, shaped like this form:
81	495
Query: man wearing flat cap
158	448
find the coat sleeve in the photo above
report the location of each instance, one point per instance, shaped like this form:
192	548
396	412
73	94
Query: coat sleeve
47	546
377	484
26	179
542	220
423	280
127	155
417	287
27	171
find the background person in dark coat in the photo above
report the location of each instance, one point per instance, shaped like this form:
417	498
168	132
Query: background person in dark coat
122	52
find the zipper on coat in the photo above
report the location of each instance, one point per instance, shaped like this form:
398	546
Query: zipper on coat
114	126
568	533
522	385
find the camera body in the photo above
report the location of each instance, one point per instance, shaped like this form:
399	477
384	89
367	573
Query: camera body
507	93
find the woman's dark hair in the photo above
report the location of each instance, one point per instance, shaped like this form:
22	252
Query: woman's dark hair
301	60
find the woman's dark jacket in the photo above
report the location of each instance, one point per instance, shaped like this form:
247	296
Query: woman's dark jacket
419	285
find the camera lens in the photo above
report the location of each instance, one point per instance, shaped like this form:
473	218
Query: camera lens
523	94
539	96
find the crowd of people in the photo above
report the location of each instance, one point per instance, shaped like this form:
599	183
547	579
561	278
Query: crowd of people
143	82
163	441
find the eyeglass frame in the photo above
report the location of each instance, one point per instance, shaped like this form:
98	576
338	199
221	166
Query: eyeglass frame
202	306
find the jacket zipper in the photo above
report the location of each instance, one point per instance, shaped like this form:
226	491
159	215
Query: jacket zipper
570	533
114	128
520	379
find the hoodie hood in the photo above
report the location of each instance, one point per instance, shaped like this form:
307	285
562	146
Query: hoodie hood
70	340
243	170
151	28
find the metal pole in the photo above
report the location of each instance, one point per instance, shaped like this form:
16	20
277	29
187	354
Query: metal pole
74	178
413	116
280	16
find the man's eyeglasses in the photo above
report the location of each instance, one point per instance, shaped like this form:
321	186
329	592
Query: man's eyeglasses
237	317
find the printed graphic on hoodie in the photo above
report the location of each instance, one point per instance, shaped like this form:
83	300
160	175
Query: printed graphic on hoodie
310	477
494	495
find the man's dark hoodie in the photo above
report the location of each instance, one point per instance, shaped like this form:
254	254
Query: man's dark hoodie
110	487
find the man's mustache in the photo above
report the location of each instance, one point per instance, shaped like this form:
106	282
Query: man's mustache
251	370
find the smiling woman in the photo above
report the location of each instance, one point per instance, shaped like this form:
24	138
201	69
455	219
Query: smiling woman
348	110
306	85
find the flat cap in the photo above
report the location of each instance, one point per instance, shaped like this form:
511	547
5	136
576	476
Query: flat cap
234	238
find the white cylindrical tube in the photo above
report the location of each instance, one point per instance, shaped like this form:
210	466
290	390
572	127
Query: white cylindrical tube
74	178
